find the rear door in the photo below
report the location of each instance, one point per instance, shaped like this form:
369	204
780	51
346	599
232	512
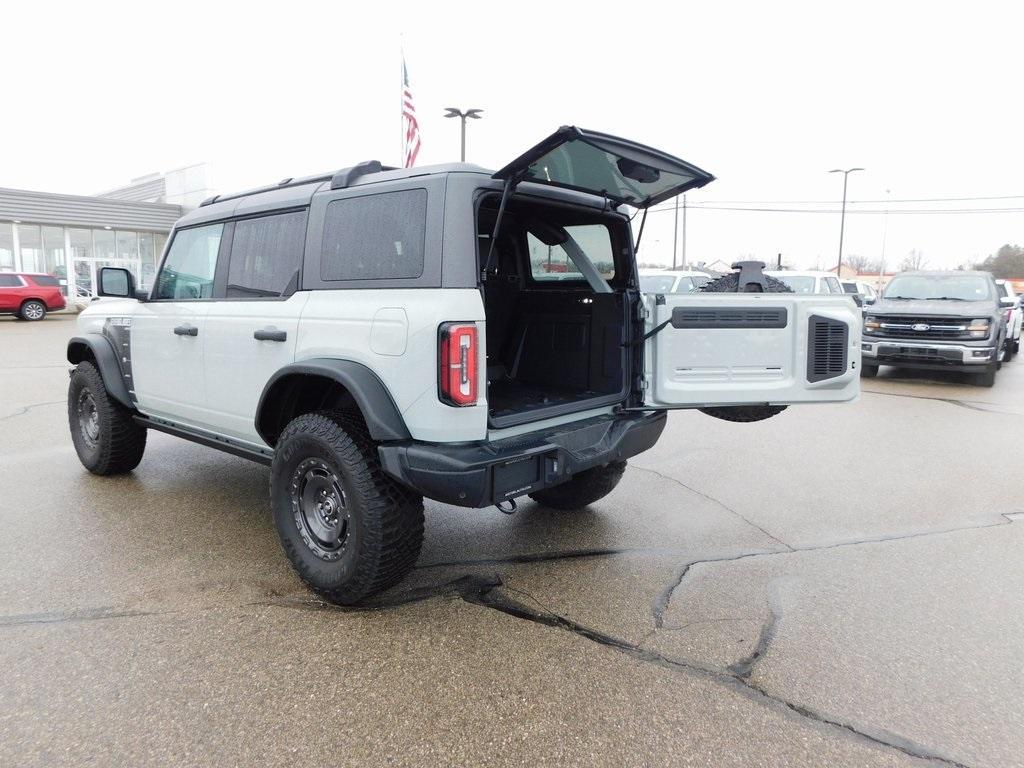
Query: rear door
252	323
623	171
750	348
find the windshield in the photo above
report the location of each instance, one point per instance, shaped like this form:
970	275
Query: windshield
798	284
656	283
552	262
951	287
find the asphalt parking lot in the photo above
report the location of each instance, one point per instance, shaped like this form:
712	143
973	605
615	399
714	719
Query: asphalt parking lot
839	585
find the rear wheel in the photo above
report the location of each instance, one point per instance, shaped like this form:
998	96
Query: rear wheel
33	310
348	529
868	371
1009	350
584	489
106	438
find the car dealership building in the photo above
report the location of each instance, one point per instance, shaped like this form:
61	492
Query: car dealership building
72	236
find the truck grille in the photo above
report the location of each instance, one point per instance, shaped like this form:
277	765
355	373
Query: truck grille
928	327
827	342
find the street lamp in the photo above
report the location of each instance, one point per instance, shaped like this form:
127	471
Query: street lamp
470	113
842	216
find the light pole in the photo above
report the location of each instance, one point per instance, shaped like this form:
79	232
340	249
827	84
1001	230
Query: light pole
842	216
473	114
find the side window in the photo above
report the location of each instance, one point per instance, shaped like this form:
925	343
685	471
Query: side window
10	281
48	280
188	270
265	255
833	285
685	285
376	237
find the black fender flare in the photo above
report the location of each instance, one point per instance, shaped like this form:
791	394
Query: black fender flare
383	419
99	348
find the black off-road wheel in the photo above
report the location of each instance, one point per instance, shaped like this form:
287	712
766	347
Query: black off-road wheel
743	413
348	529
584	489
107	439
868	371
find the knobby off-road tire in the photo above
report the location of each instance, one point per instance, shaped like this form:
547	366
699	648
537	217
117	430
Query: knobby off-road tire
106	438
348	529
585	488
743	413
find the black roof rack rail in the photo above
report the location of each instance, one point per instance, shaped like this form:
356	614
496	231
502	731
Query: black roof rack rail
339	180
346	177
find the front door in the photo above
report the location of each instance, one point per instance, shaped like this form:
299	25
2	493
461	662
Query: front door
750	349
252	325
169	330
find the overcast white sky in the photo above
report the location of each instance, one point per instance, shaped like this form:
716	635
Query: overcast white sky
766	96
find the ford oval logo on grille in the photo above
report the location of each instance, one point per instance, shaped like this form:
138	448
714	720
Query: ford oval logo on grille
921	327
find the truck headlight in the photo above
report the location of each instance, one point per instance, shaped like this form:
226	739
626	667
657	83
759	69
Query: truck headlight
871	324
979	328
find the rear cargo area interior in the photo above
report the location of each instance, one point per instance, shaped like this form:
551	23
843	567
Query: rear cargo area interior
554	345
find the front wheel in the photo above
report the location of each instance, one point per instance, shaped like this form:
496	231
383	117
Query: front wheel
584	489
106	438
988	378
348	529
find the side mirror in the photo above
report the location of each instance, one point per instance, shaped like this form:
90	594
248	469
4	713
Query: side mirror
1006	301
869	299
116	282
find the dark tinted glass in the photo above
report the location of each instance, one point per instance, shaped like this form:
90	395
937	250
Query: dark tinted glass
375	237
49	280
9	281
265	255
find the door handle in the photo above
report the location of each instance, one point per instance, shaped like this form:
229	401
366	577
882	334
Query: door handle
186	330
268	334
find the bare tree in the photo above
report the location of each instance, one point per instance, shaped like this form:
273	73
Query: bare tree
861	263
913	261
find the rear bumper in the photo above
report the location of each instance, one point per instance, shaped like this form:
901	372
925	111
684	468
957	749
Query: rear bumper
481	474
914	354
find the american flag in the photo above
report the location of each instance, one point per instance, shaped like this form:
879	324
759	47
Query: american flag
411	132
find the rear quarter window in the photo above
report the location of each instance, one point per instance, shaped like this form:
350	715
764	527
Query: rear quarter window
47	280
375	237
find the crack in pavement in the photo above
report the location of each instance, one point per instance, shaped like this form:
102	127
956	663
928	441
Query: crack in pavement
970	405
26	408
713	500
661	602
745	666
59	617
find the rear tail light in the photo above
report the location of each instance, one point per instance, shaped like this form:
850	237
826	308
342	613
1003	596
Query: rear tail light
457	360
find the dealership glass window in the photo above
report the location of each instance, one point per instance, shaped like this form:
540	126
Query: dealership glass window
30	243
103	244
6	246
127	245
53	253
148	257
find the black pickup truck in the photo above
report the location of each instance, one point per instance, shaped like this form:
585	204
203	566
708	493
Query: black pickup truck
937	320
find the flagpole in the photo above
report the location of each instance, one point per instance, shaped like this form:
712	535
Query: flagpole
401	110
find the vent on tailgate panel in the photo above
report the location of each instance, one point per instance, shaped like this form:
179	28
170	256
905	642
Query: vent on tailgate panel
827	342
728	317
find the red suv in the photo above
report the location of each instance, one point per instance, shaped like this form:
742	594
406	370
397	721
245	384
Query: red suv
29	296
